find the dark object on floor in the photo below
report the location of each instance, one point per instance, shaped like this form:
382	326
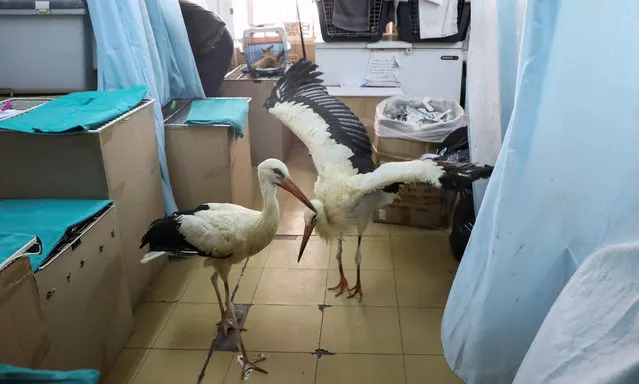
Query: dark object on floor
211	43
229	342
455	148
463	223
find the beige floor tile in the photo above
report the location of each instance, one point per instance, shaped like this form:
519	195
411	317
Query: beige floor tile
283	368
431	252
283	254
377	229
429	370
191	326
126	366
172	367
277	328
378	288
376	254
201	290
291	223
173	280
423	287
150	319
369	369
373	229
291	287
402	230
361	330
421	330
256	261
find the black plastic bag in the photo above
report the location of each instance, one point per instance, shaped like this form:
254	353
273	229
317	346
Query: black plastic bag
455	148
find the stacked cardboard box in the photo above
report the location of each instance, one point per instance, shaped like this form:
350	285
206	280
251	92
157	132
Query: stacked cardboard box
418	205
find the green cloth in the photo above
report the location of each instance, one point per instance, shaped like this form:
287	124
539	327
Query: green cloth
47	219
79	111
10	374
231	111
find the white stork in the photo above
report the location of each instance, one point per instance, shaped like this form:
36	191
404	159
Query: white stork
225	234
348	188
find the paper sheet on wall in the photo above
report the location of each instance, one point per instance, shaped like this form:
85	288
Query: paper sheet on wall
383	70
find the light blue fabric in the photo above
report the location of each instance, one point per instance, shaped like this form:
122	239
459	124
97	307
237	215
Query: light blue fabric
78	111
10	374
145	42
11	243
220	110
48	219
564	188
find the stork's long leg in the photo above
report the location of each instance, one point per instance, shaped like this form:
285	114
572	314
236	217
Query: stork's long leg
357	289
230	309
214	278
343	284
226	322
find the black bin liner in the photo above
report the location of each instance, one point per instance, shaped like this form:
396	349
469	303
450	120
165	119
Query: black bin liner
455	148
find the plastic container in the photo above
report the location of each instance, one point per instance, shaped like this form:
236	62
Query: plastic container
408	23
265	49
379	17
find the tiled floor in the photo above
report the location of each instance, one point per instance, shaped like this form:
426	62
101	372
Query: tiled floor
393	336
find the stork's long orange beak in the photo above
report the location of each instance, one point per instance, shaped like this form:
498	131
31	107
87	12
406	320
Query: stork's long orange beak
294	190
308	230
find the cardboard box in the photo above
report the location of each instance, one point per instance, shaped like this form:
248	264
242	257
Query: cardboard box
26	341
207	165
85	298
118	161
417	205
269	137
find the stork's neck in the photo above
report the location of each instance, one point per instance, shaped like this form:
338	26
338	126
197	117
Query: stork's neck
271	209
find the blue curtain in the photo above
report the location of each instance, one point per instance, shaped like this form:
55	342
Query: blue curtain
564	191
145	43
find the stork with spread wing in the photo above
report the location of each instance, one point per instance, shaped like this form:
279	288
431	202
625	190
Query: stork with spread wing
349	188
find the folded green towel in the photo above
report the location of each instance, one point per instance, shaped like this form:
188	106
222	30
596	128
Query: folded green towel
231	111
78	111
10	374
48	219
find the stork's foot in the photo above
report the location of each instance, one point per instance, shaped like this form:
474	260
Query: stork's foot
249	366
356	290
227	323
341	287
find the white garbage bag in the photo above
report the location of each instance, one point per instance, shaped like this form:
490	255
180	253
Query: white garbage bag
418	119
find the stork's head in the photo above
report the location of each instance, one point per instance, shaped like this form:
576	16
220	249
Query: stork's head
311	218
274	172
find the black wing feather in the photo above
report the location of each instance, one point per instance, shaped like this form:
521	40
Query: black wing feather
301	85
163	235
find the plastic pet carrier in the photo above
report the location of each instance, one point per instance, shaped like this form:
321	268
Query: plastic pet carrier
265	50
408	23
378	17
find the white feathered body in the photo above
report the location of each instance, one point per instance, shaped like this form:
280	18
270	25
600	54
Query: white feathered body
228	229
349	198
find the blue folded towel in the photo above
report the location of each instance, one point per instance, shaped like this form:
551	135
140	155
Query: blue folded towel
79	111
48	219
220	110
10	374
10	243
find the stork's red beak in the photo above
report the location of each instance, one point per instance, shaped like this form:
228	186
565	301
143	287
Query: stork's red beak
308	230
294	190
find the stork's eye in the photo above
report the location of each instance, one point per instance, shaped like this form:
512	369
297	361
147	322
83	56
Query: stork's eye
278	172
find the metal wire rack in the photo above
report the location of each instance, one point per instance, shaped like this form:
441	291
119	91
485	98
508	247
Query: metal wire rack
377	16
